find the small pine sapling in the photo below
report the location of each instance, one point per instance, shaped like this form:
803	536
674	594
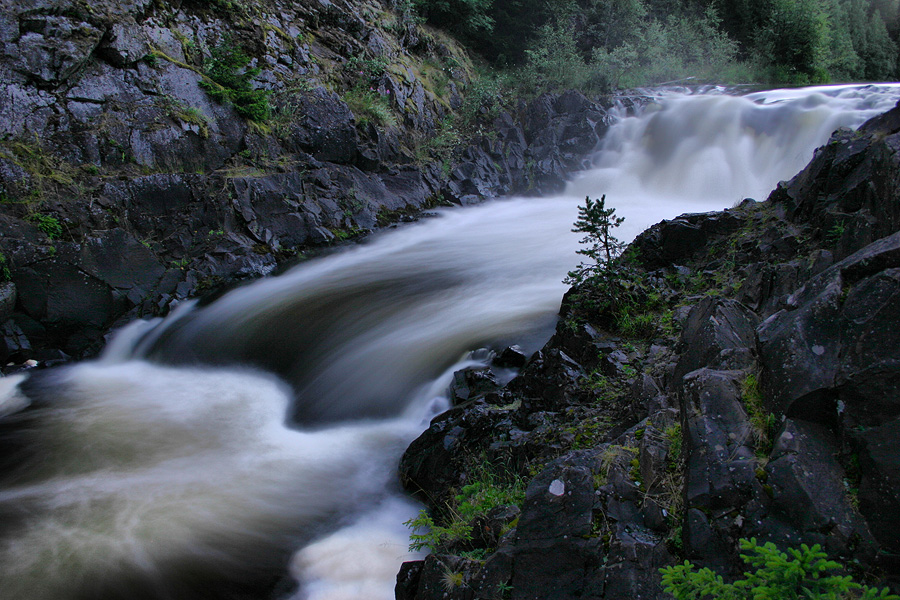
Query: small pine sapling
597	222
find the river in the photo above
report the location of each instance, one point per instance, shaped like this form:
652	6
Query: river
204	452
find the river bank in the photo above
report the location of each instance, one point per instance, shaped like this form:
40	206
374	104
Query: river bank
733	382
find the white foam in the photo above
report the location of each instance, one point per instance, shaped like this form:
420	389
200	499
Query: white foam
140	465
360	561
11	398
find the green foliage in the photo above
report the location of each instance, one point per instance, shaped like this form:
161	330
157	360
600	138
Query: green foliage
835	234
368	102
805	573
369	70
483	101
597	222
612	43
673	455
229	81
488	491
468	18
762	422
612	290
596	45
808	41
369	106
489	487
351	204
50	174
48	224
227	6
5	275
671	497
189	115
636	324
516	23
794	41
555	62
426	534
615	455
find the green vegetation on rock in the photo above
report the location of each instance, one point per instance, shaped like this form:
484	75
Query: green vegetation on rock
229	81
805	573
489	487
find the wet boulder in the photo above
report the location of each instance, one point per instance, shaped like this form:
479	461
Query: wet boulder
471	383
879	500
834	358
512	357
850	191
809	494
673	242
123	44
64	298
717	334
438	577
7	299
719	450
121	262
432	465
553	550
838	341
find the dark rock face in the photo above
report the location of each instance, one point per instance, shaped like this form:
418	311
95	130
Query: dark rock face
324	128
838	334
833	359
672	242
719	334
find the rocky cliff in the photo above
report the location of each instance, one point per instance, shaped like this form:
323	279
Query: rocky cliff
738	378
155	151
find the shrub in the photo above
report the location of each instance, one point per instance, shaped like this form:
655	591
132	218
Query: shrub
468	18
48	224
489	488
5	275
229	81
555	62
762	422
368	106
805	573
368	69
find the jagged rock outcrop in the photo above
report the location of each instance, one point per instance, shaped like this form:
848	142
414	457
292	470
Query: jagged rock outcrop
771	414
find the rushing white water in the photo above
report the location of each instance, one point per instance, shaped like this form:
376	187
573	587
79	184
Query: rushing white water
126	479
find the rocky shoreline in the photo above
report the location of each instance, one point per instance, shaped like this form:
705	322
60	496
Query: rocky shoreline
744	389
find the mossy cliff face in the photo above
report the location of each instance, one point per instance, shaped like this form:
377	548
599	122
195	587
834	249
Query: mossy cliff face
746	387
153	151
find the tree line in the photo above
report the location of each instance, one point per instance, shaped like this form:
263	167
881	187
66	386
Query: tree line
603	44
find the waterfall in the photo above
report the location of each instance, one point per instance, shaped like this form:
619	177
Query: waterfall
208	454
